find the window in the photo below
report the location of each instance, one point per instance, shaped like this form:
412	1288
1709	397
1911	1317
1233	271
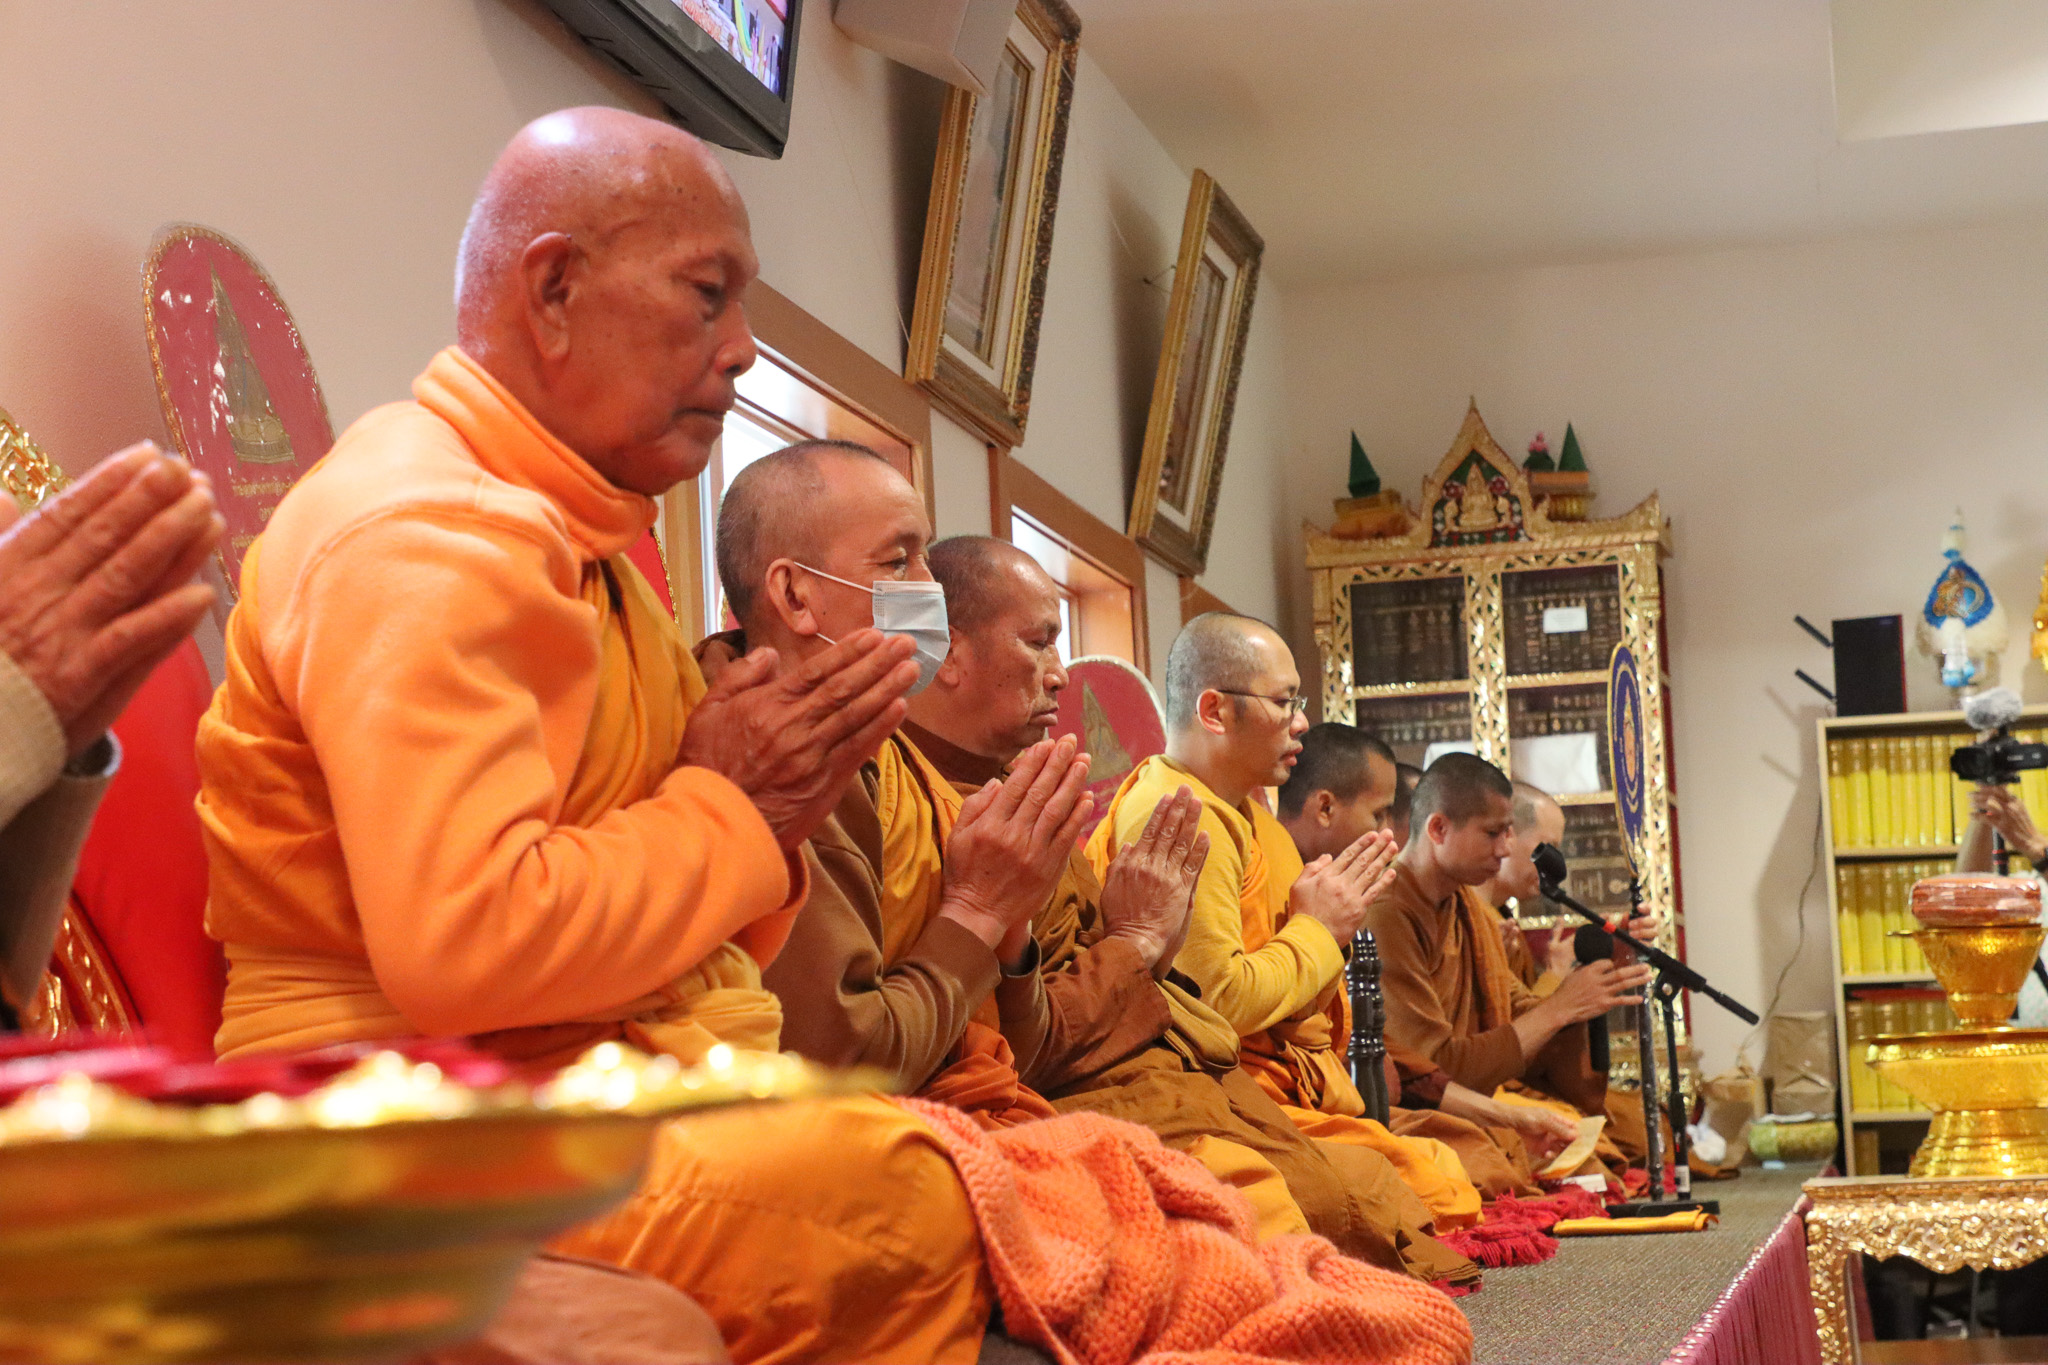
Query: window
809	384
1100	572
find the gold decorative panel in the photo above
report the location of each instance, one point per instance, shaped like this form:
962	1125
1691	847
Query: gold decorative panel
1518	540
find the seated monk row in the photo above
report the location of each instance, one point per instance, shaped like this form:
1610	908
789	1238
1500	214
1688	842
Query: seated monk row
465	777
1346	782
1452	996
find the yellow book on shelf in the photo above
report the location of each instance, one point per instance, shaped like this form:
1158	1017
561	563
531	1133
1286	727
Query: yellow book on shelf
1900	782
1889	1017
1913	801
1940	799
1867	1159
1863	1097
2034	784
1933	795
1838	792
1857	754
1880	791
1846	928
1870	916
1898	890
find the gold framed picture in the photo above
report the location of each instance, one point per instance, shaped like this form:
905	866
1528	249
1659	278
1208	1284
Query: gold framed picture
988	229
1173	508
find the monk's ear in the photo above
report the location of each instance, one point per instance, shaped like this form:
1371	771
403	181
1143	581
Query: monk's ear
1324	805
1209	712
953	672
547	275
788	596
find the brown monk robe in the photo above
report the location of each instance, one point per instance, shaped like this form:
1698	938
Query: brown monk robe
1451	995
1170	1064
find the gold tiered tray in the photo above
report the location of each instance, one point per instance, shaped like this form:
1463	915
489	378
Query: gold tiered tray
1987	1085
383	1213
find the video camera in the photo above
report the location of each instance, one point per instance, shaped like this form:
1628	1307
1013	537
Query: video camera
1999	760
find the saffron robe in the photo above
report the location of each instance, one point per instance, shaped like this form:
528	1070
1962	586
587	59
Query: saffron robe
439	795
1278	981
1152	1053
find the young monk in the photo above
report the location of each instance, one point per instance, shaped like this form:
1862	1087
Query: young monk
1345	784
1538	820
1267	936
1451	995
1127	1035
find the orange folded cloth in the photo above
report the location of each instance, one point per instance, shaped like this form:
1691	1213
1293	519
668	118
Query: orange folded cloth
1105	1245
1698	1220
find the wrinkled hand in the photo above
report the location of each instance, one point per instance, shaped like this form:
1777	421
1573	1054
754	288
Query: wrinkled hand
1544	1131
2003	810
792	741
98	584
1011	842
1150	887
1335	891
1596	988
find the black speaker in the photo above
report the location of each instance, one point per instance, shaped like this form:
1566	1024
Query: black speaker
1870	666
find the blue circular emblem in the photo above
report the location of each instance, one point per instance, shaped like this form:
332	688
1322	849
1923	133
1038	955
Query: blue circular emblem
1625	745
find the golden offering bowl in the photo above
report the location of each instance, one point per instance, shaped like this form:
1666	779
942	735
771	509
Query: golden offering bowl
1981	966
1987	1088
383	1214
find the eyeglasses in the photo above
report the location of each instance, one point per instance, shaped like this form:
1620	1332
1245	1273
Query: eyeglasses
1297	705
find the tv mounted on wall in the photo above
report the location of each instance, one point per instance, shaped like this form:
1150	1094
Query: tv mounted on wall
724	68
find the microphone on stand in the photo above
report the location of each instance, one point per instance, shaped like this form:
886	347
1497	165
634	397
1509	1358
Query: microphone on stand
1593	944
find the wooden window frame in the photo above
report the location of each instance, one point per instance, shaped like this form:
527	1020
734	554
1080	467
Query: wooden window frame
806	347
1013	485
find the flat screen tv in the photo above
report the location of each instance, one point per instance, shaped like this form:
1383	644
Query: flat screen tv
725	68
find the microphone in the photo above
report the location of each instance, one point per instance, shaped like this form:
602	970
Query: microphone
1594	944
1993	710
1550	864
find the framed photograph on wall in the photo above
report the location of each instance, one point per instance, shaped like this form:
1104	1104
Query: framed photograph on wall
988	229
1173	508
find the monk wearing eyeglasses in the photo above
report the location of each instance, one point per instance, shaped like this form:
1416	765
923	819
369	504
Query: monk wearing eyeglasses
1267	936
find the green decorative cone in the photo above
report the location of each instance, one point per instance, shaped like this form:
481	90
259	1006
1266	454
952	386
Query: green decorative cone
1570	459
1365	480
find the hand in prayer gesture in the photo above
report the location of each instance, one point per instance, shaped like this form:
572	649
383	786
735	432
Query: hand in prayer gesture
1592	990
1560	950
1011	843
793	743
1335	891
96	586
1150	888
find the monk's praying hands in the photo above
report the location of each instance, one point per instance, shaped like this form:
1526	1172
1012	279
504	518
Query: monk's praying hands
1150	886
793	742
1011	843
1335	891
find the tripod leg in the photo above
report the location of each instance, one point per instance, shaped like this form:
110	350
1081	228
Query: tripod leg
1681	1163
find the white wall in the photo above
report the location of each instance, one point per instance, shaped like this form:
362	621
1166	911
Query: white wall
341	141
1811	415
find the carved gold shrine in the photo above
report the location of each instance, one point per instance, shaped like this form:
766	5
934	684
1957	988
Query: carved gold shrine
1483	541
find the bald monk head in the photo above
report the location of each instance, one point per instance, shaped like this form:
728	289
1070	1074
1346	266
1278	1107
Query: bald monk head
804	534
1231	704
998	692
1461	824
602	280
1538	819
1342	787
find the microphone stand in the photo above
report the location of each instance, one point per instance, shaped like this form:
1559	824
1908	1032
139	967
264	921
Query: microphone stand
1672	977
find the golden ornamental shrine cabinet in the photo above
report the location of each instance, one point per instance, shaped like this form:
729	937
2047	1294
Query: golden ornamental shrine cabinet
1487	625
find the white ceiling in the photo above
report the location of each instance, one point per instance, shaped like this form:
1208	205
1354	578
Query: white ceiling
1374	137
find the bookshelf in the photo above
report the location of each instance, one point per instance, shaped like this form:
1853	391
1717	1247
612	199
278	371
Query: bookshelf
1493	632
1893	814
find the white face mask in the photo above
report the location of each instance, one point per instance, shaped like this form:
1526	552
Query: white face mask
906	608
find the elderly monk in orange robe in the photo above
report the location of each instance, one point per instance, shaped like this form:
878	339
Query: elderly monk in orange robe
1345	783
1451	995
463	775
1266	937
1126	1035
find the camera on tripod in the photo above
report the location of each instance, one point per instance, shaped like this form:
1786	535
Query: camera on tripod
1999	760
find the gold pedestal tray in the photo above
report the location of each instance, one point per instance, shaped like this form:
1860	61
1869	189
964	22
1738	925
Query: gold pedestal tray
386	1213
1987	1088
1980	966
